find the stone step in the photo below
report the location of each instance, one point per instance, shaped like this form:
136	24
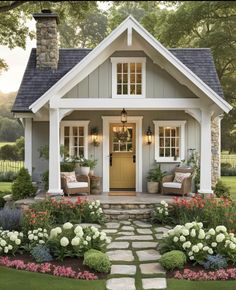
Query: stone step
120	205
124	214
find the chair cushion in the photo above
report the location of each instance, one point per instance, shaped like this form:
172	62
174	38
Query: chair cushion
180	176
77	184
69	176
172	184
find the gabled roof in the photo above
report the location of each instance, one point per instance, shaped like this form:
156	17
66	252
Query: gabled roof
36	82
38	86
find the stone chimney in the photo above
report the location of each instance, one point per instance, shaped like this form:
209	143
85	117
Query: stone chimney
47	53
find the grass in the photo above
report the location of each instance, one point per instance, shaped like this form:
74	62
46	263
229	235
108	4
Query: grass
5	186
230	181
6	143
174	284
12	279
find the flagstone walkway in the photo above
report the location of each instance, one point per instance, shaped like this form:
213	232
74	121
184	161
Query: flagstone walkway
134	256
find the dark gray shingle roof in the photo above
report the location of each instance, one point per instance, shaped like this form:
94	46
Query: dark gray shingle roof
36	82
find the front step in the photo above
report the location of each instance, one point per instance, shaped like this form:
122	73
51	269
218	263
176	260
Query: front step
125	214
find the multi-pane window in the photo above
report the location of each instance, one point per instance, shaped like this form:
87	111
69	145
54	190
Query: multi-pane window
74	137
122	139
128	77
169	141
74	141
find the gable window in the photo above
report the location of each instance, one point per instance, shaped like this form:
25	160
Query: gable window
169	141
74	138
128	77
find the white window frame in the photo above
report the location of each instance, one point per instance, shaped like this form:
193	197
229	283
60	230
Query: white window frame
176	123
78	123
114	61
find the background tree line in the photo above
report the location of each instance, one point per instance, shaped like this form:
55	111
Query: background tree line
174	23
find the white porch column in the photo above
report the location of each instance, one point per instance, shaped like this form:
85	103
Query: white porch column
28	144
205	164
54	153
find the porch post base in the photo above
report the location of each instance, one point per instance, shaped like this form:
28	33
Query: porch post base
55	192
205	192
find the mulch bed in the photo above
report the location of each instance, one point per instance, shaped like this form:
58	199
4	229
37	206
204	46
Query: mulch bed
75	263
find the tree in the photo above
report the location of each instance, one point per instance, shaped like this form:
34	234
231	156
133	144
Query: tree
14	15
10	130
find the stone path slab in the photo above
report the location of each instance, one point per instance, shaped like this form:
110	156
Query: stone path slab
136	238
125	223
123	269
110	231
161	230
118	245
144	231
151	268
142	224
112	225
121	284
154	283
120	255
85	225
126	233
143	245
148	255
127	228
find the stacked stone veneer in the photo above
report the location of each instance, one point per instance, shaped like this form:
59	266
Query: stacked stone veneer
47	53
215	149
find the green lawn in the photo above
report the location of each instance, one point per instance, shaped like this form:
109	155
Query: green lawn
12	279
5	186
6	143
230	181
174	284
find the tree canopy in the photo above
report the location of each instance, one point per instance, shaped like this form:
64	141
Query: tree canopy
174	23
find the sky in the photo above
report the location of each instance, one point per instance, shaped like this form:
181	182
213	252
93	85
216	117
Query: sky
17	59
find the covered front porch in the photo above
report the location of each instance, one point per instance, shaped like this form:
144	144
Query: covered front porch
194	133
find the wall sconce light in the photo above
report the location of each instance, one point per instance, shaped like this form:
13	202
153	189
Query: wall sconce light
94	134
149	135
123	116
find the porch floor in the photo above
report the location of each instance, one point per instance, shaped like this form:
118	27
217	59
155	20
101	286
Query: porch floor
139	198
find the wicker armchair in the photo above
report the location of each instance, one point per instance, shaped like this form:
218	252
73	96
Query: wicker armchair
82	185
169	186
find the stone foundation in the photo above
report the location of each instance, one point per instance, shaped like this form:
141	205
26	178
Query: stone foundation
215	149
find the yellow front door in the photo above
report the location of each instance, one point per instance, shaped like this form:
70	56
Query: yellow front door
122	157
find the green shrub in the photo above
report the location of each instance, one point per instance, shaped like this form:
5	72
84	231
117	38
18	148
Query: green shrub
8	176
97	261
45	179
67	166
221	189
228	171
173	260
22	186
41	254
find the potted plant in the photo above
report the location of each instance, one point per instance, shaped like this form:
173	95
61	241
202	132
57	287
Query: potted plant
84	165
154	177
92	165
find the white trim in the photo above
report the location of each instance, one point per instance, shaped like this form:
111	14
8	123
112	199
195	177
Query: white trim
54	153
114	61
205	156
78	123
106	149
174	123
129	103
28	145
81	70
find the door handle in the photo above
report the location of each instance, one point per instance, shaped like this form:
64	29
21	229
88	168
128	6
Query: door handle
134	158
111	159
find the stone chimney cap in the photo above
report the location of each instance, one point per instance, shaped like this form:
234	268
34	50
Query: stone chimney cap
46	13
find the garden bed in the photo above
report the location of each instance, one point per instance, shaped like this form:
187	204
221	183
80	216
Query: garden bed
69	267
197	272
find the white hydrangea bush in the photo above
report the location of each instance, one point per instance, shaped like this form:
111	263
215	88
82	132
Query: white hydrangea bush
37	236
198	242
93	212
10	241
160	213
73	240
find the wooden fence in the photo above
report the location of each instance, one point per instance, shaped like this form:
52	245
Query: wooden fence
9	165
